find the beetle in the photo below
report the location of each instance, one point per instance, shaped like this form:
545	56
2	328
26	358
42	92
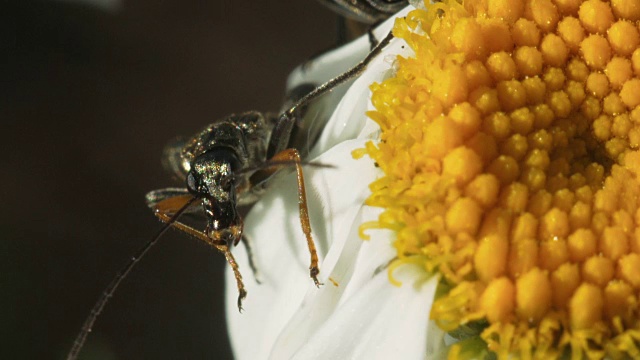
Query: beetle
228	164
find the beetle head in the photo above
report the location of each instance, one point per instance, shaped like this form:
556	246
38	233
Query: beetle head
212	179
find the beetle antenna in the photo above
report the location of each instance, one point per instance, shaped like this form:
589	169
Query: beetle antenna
349	74
282	163
113	285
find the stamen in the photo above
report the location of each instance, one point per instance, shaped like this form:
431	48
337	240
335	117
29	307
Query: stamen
510	151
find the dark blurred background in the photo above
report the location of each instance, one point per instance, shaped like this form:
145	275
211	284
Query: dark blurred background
88	100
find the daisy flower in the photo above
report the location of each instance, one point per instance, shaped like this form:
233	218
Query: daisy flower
490	158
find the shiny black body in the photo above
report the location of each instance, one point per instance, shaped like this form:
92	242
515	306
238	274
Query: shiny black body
211	162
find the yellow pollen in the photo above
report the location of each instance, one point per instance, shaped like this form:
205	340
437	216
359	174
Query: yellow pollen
510	149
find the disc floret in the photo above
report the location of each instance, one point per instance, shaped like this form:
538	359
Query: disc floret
509	148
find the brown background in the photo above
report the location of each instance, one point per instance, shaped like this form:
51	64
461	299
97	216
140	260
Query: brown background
88	99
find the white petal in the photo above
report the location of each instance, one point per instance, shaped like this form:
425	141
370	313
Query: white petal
380	321
351	263
436	346
335	62
349	118
281	252
330	306
286	315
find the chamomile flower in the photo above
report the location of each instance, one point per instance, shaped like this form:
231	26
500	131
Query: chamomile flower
505	197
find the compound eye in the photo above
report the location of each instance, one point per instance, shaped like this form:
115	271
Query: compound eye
192	182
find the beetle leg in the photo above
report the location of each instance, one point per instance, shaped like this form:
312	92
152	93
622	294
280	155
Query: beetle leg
293	156
154	197
166	208
373	40
252	261
242	293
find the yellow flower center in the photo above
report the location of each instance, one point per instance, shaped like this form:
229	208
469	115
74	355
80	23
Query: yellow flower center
509	148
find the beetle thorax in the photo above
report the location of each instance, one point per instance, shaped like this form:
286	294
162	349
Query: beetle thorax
215	178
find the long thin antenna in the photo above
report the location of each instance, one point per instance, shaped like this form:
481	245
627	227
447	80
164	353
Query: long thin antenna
111	288
351	73
281	133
